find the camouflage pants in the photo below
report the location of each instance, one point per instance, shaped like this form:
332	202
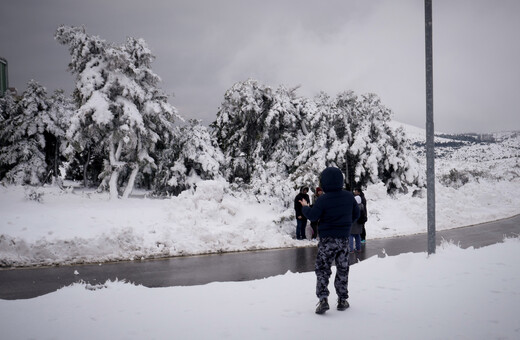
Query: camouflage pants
329	250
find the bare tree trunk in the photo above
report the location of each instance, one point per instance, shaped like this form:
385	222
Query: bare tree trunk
114	194
56	154
114	155
85	167
304	127
116	168
131	181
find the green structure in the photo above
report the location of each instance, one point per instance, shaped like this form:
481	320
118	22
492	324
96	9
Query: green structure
4	81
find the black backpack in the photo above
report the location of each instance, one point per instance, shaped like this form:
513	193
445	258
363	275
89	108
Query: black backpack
362	216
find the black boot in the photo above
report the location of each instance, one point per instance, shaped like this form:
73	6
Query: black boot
343	304
322	307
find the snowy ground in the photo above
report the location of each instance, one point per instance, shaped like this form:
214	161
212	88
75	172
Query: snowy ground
79	226
453	294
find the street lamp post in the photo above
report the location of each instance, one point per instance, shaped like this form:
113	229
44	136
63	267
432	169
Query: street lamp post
430	145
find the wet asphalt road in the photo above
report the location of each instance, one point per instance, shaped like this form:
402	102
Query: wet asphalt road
196	270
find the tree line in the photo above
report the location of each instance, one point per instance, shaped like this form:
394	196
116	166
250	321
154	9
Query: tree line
118	131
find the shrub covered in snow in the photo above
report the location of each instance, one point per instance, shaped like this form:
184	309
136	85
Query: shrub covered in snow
28	133
276	141
191	157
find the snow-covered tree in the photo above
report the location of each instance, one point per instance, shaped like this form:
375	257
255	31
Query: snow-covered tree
400	168
23	156
375	151
315	140
120	108
274	139
352	133
57	122
239	124
8	108
8	105
192	156
255	128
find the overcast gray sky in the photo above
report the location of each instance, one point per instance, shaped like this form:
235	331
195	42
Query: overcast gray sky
203	47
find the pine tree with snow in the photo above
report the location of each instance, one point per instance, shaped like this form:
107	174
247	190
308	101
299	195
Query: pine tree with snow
276	146
269	138
8	108
23	156
120	108
276	142
315	140
57	122
239	124
8	105
376	152
352	133
192	156
255	128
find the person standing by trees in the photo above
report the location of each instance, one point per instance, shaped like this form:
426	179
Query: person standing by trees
336	210
355	231
301	220
364	216
314	224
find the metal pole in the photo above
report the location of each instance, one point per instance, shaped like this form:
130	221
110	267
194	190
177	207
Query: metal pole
430	145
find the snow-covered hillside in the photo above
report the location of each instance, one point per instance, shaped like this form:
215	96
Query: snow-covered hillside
493	156
476	182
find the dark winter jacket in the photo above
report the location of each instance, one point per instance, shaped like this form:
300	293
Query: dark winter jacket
357	227
363	201
336	209
298	205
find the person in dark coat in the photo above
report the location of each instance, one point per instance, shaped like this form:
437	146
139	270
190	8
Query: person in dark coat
336	210
314	224
360	193
356	229
301	220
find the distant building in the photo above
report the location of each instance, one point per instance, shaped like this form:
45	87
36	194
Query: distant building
4	81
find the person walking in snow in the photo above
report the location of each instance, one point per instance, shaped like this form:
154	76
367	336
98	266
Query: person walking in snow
364	216
301	220
336	210
355	231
